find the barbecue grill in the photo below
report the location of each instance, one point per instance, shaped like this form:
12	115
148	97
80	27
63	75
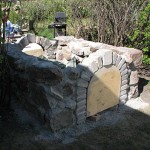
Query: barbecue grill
59	25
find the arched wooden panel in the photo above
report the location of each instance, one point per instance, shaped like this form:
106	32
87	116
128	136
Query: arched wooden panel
103	90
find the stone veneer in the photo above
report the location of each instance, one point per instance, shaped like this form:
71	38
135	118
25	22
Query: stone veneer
54	87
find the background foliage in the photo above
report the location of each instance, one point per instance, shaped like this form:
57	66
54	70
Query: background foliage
120	23
141	35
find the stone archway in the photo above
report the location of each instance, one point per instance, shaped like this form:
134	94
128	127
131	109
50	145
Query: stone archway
101	68
103	90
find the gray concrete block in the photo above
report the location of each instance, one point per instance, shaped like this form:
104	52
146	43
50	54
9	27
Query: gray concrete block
23	41
122	102
81	109
100	62
123	92
31	38
124	72
114	58
124	66
81	97
124	87
38	38
93	66
121	63
47	44
134	79
107	56
81	90
81	115
124	82
81	121
118	60
86	75
123	97
82	83
124	77
81	103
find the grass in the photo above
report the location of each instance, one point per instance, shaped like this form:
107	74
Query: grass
45	32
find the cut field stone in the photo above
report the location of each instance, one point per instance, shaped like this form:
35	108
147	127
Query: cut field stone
107	56
65	80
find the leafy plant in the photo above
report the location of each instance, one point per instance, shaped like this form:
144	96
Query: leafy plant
141	36
45	32
14	17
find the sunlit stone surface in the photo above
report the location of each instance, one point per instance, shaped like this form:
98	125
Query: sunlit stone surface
103	90
33	49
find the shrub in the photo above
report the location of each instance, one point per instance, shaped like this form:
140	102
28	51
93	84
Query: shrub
45	32
141	36
14	17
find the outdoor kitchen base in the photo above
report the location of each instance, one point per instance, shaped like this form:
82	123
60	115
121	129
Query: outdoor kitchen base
64	81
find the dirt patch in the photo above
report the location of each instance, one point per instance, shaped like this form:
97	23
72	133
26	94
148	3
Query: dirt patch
126	127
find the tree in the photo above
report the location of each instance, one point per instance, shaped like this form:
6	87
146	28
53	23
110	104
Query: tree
4	69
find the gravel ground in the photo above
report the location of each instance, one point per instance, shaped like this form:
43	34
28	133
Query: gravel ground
126	127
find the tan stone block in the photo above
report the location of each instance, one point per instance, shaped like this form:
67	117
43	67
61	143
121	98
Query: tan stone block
59	55
91	65
67	54
131	55
134	79
94	46
33	49
133	93
86	50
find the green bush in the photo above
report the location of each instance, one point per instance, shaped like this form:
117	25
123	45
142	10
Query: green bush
14	17
42	13
108	22
43	9
45	32
141	36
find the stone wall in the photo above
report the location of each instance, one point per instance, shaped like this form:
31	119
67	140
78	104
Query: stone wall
54	86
